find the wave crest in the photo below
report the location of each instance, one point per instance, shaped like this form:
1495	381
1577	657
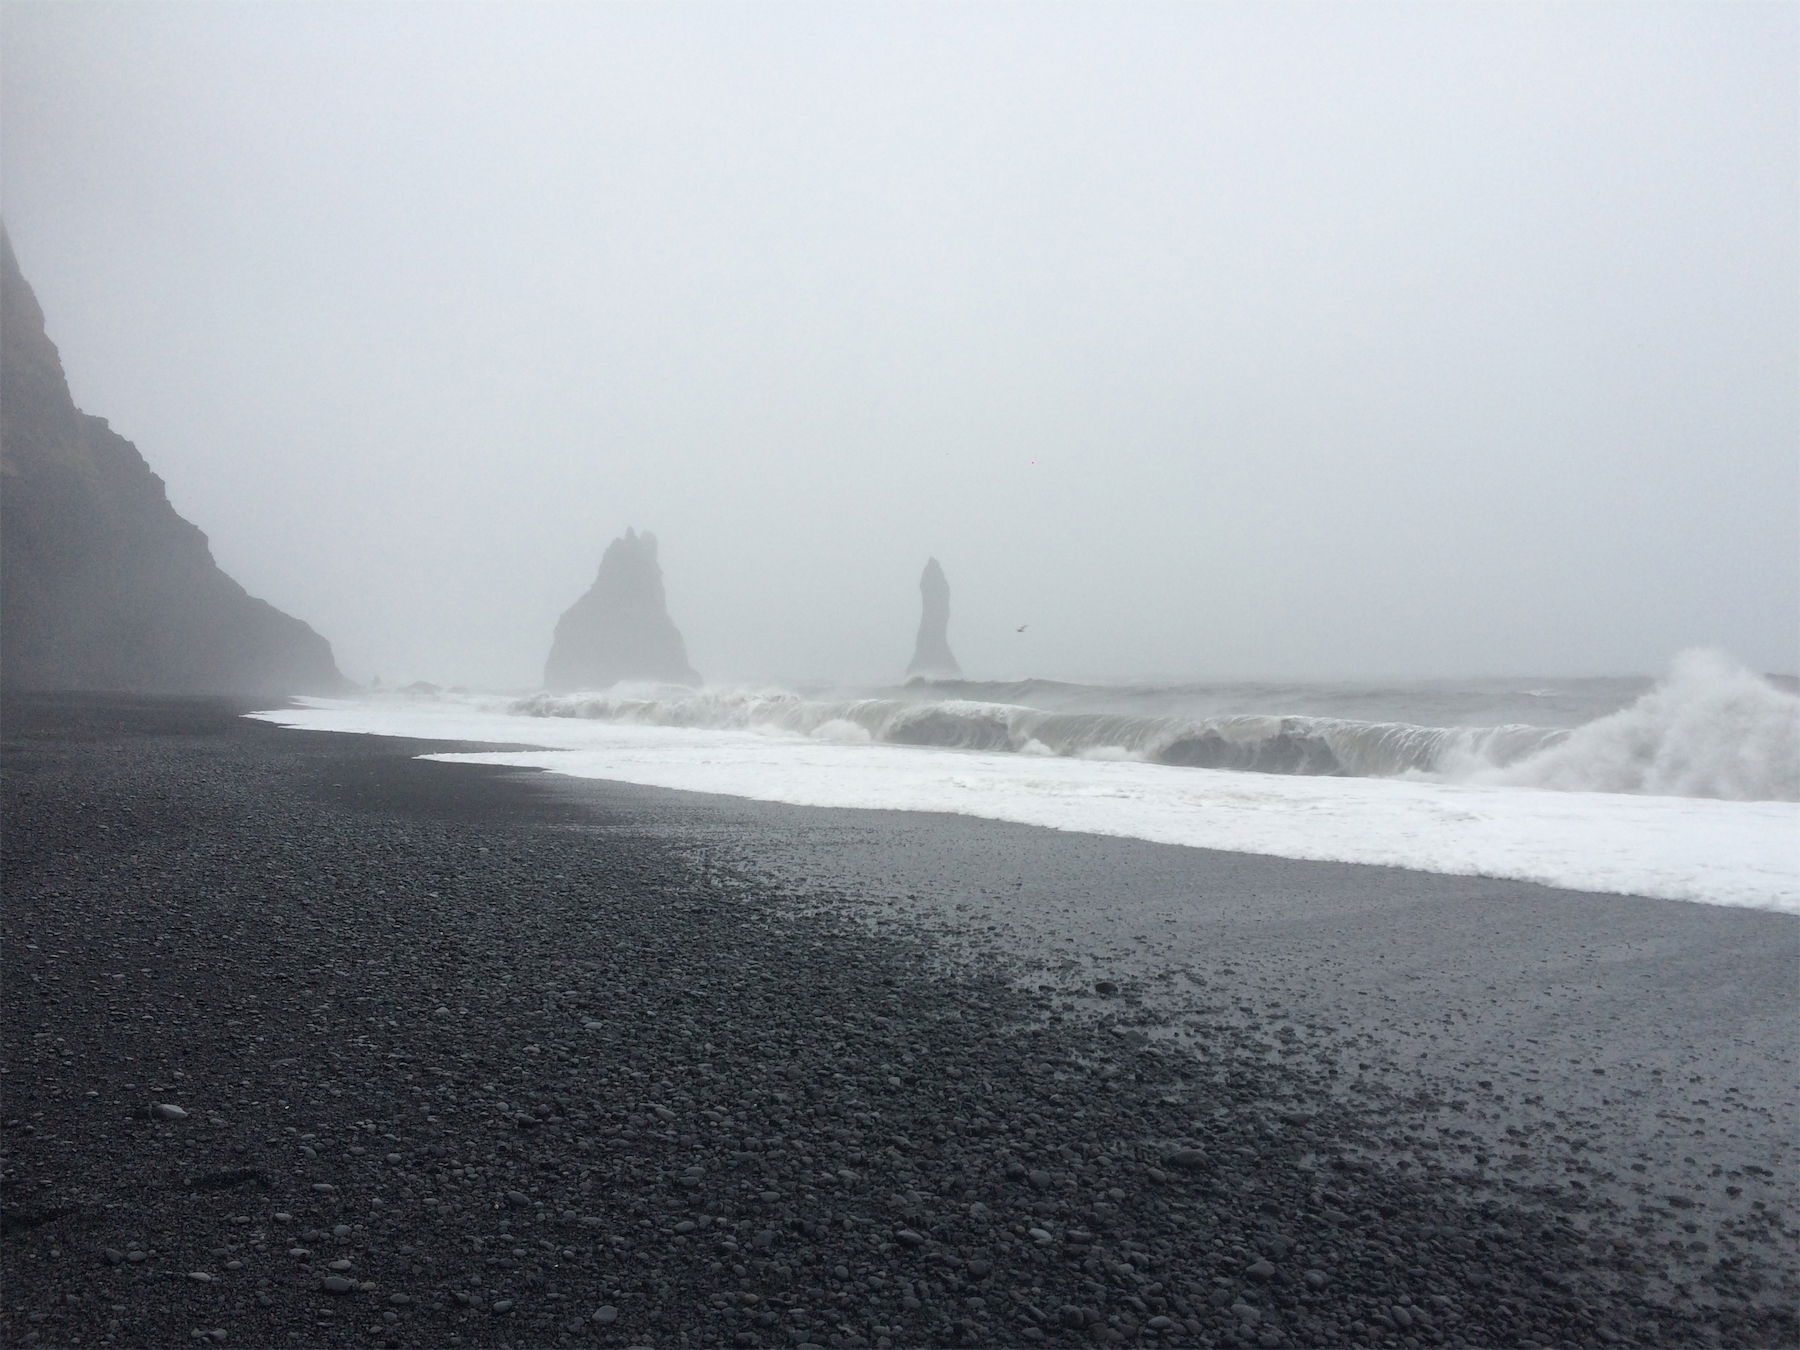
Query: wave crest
1271	744
1710	728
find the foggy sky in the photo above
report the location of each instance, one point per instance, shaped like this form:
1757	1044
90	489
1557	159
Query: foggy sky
1206	340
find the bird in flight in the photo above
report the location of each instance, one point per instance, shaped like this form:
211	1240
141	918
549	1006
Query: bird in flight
1021	628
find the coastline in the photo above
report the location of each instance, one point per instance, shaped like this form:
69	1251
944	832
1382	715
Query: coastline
1585	1013
523	1030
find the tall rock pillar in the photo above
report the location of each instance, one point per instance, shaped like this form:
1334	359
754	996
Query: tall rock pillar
931	653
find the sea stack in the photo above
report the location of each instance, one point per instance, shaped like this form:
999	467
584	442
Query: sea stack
931	653
621	629
106	587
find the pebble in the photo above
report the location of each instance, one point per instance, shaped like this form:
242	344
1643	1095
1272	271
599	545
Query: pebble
169	1111
827	1113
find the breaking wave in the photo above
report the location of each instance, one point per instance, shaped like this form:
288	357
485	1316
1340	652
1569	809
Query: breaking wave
1709	729
1262	744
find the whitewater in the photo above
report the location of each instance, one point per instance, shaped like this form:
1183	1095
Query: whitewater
1685	789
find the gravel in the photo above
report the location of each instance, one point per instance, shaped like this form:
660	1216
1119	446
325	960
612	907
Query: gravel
492	1069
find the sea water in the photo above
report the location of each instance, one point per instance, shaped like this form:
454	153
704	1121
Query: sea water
1684	788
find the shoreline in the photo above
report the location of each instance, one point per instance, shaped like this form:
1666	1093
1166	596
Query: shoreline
574	1047
1714	851
1584	1012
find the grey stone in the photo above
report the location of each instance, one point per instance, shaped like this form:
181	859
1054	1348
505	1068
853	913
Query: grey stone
620	628
931	651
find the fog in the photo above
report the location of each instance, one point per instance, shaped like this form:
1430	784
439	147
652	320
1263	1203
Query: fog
1201	340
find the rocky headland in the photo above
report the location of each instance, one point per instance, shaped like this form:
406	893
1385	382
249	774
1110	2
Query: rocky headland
105	585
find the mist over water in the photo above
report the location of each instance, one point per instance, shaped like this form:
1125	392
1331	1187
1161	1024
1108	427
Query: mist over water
1210	342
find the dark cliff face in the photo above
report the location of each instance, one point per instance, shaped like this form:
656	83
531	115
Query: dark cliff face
931	653
620	629
102	584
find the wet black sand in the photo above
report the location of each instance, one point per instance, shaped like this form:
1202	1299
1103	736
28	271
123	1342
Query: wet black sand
471	1058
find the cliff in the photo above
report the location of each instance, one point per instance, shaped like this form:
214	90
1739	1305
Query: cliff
102	584
620	629
931	652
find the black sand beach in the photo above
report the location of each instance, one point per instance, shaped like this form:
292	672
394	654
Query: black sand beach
474	1057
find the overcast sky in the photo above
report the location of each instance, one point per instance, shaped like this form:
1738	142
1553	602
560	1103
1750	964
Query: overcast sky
1206	340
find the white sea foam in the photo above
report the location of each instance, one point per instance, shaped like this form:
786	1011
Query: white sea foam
1710	728
1744	853
843	731
1109	752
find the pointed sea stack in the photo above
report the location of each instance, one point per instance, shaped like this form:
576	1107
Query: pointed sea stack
621	629
931	653
105	586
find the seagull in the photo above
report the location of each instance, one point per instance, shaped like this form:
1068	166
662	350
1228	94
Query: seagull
1021	628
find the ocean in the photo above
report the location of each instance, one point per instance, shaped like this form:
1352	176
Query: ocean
1686	787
